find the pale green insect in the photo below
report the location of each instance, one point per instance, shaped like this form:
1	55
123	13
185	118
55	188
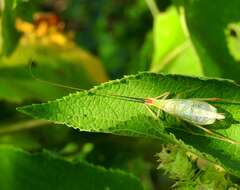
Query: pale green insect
194	111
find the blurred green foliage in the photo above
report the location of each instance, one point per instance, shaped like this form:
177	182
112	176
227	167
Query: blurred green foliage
114	30
17	165
81	43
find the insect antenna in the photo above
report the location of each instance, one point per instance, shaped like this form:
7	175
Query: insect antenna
32	64
127	98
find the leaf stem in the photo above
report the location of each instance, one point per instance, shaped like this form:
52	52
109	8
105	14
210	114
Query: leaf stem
21	126
153	7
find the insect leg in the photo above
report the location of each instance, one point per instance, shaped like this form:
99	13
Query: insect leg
216	135
188	130
151	111
158	113
163	96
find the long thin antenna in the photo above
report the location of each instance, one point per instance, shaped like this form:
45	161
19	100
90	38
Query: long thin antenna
31	65
128	98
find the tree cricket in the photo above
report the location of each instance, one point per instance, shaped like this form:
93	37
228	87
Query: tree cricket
197	111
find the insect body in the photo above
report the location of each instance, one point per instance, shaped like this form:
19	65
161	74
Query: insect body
192	111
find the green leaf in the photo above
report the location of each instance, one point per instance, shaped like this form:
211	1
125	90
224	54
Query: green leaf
233	40
23	171
19	85
69	66
90	112
209	24
187	63
173	51
9	35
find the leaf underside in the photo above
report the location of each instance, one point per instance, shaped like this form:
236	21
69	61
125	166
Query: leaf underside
98	113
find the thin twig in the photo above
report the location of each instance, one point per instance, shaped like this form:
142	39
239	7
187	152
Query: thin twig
21	126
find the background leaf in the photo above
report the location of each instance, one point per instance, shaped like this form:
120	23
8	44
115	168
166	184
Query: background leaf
209	24
10	11
71	66
99	113
20	170
111	30
173	51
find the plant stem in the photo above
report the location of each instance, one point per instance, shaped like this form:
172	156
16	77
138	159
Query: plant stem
21	126
153	7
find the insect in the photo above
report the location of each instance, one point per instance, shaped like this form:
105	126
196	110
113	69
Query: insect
197	112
